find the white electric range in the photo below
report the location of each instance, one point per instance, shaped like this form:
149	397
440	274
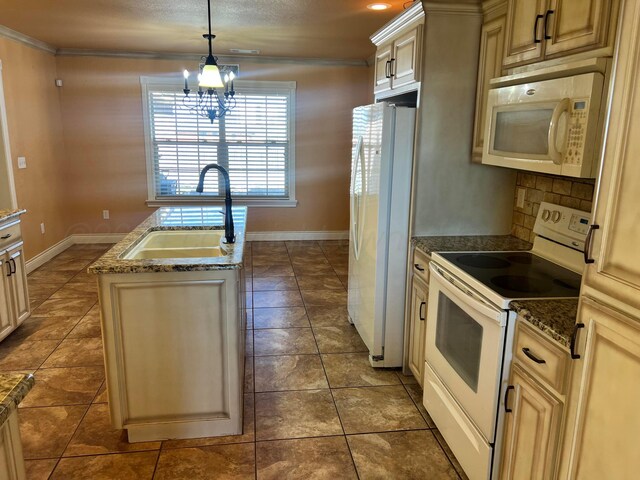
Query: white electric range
470	329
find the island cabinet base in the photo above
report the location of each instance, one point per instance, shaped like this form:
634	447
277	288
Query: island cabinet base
174	350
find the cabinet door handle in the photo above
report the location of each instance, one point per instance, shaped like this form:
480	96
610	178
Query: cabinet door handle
14	268
546	24
528	353
8	268
422	305
535	28
574	335
506	399
4	237
587	244
391	62
387	69
418	267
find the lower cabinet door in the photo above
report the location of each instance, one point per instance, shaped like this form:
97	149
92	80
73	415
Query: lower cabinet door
6	313
18	281
418	327
531	432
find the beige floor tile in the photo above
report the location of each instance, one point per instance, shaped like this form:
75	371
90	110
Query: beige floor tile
324	298
39	469
319	282
46	431
96	436
84	277
403	455
248	374
309	458
248	432
102	395
355	370
248	343
288	317
66	264
275	270
88	327
289	341
64	386
289	372
44	328
124	466
415	392
265	284
45	276
249	313
65	307
43	289
25	355
341	269
265	259
328	316
307	257
288	298
345	280
220	462
281	415
36	301
339	339
313	268
407	379
377	409
72	290
76	352
450	455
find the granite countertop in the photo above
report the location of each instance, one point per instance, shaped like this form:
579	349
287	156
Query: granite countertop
13	388
555	318
176	218
470	243
9	214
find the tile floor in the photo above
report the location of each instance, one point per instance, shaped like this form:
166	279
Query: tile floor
314	408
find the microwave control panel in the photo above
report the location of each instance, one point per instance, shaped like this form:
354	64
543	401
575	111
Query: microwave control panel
574	151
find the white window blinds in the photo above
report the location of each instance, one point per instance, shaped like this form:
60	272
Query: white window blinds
254	142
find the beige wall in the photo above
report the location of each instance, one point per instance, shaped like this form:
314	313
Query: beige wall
35	132
102	119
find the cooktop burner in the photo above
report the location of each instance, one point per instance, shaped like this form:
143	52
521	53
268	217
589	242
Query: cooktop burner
518	274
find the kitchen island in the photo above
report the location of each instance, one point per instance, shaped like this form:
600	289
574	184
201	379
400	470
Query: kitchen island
13	388
172	314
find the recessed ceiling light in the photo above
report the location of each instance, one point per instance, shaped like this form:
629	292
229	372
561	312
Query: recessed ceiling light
378	6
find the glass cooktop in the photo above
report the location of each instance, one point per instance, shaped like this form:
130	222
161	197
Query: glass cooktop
517	274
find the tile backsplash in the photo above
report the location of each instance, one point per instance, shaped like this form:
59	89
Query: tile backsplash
570	192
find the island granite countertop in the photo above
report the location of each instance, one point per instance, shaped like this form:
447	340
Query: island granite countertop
13	388
555	318
176	218
10	214
470	243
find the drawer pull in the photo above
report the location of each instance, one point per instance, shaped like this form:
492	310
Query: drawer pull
535	28
418	267
587	244
506	399
4	237
13	268
422	305
528	353
574	335
8	269
391	62
546	24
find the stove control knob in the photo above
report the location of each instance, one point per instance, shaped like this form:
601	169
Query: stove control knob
556	216
545	215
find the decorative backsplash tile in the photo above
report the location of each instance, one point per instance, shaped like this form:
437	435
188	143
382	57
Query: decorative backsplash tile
570	192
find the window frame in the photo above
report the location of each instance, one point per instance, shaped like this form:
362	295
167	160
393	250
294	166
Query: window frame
150	83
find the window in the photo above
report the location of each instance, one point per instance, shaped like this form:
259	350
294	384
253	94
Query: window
254	142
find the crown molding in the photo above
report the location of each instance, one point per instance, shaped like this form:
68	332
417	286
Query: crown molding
6	32
452	8
491	6
411	16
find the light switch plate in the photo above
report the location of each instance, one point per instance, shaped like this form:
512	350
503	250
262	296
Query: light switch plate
105	214
22	162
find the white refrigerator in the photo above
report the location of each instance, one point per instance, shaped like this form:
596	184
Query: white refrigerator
380	197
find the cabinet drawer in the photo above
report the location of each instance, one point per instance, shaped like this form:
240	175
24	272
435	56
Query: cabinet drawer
421	265
540	357
9	235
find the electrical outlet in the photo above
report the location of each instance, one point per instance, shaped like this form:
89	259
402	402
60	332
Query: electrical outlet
22	162
521	194
105	214
42	228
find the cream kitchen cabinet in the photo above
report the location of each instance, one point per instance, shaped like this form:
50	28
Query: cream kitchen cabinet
397	60
489	66
14	294
417	321
545	29
11	457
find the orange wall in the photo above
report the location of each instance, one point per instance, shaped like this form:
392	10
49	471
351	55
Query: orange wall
35	132
104	138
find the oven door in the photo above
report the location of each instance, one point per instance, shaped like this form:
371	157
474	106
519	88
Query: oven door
465	347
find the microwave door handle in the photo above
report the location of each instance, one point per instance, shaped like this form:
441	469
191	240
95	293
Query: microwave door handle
563	106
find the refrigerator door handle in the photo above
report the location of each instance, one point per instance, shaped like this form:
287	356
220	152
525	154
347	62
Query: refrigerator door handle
356	194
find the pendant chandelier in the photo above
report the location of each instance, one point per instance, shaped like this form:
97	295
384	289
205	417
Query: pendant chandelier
209	101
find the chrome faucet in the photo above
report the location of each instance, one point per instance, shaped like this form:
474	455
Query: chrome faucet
229	233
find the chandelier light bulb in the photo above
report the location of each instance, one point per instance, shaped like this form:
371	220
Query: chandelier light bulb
186	74
211	77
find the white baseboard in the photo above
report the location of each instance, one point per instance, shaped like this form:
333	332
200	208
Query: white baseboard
280	236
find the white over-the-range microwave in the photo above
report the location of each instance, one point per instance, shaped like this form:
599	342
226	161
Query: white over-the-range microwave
548	125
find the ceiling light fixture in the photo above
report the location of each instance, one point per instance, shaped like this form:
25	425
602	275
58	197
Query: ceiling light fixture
208	103
378	6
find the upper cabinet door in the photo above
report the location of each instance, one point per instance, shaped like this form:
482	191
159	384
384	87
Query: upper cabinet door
404	62
525	31
383	69
614	275
575	25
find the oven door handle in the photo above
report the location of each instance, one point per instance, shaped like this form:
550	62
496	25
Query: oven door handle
455	289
